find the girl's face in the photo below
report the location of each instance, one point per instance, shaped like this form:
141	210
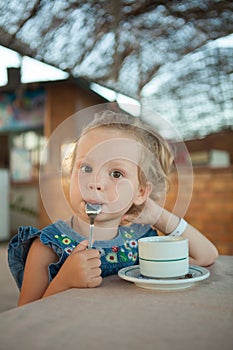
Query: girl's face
106	172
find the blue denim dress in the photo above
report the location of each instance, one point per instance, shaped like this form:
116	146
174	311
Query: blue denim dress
122	251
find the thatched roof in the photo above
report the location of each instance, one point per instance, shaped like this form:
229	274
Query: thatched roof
126	44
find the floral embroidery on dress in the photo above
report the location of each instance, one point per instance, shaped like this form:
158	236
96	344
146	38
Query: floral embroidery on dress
112	257
67	241
133	244
127	252
115	249
126	245
135	256
101	250
130	255
69	250
123	256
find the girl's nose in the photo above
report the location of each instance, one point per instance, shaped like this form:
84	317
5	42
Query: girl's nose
96	186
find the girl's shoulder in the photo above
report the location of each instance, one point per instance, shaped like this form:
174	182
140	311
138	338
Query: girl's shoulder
58	236
27	233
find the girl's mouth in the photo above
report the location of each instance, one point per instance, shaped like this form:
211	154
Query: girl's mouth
93	209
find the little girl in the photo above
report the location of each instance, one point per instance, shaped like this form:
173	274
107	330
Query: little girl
122	165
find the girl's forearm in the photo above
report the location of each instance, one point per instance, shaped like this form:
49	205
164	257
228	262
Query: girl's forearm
166	221
57	285
201	250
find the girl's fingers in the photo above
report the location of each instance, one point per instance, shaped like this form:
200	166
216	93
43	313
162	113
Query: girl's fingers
80	247
89	253
96	272
94	282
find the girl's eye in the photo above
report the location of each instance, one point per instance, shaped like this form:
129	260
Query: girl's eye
86	169
116	174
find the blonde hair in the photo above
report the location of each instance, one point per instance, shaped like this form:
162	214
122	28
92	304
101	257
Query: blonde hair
156	162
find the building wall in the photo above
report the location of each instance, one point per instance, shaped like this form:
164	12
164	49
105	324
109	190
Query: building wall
222	140
211	206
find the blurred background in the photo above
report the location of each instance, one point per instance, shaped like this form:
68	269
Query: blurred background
173	57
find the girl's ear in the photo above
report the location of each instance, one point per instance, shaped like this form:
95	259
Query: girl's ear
143	193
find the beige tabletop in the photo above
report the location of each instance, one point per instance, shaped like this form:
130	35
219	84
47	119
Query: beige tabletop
120	315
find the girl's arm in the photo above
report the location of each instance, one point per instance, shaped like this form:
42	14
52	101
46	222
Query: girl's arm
81	269
201	251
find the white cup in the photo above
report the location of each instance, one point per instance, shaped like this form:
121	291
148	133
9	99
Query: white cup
163	256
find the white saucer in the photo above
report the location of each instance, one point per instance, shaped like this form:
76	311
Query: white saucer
132	274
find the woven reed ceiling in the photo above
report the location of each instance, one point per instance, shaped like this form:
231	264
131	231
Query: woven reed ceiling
126	45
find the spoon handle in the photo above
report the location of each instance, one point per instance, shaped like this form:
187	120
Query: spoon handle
90	236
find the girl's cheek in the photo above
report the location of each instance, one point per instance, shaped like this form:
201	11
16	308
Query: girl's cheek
83	180
121	196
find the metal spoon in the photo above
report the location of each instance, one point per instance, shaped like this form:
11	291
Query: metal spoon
92	210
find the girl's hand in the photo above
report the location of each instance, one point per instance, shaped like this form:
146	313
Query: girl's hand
149	215
81	269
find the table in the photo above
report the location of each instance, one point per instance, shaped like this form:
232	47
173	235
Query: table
120	315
